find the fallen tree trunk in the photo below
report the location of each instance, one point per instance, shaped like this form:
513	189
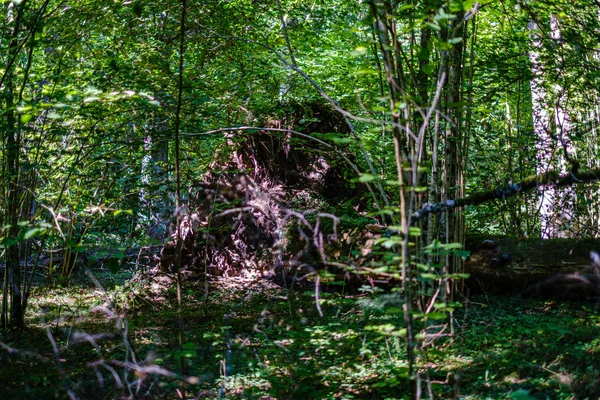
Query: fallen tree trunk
505	265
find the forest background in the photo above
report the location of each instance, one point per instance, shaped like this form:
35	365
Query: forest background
151	149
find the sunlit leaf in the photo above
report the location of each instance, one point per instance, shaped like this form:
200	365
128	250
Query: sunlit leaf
33	232
366	178
437	315
359	51
119	212
25	118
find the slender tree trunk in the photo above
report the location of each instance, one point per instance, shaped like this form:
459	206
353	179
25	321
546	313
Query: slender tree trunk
179	213
11	158
390	52
453	148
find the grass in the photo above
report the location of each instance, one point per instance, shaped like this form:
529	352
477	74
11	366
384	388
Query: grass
250	340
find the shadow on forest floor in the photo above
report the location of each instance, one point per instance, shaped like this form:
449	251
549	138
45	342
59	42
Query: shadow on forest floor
252	340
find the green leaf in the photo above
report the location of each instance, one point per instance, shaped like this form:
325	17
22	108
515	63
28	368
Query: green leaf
119	212
429	69
414	231
119	255
434	27
521	394
366	178
382	270
442	15
462	253
33	232
7	242
461	276
423	53
400	332
342	140
468	4
25	118
365	71
437	315
385	211
359	51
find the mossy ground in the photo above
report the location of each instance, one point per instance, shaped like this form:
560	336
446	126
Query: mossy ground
248	340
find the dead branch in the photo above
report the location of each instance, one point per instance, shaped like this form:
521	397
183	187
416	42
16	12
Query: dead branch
550	178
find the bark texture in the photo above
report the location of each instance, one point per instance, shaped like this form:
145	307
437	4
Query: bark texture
533	266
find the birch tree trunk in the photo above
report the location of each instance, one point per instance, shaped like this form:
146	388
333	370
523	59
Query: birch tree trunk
566	197
154	197
551	124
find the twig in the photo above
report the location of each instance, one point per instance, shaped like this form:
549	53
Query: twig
58	362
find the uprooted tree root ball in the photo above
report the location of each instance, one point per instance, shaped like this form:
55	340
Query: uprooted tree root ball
256	213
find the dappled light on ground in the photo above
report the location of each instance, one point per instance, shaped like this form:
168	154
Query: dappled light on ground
252	339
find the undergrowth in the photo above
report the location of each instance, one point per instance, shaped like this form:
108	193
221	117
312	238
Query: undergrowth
252	340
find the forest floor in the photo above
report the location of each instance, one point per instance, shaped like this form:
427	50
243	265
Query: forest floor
253	340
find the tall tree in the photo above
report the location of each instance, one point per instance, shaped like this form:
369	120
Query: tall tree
551	127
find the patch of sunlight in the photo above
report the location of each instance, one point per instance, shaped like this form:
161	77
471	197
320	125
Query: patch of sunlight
237	385
513	378
457	361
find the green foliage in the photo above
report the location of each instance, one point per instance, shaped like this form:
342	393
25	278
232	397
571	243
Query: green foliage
88	102
540	349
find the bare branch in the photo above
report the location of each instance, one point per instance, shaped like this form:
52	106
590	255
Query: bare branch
533	182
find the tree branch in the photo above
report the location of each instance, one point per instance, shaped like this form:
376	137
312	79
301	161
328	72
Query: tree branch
552	178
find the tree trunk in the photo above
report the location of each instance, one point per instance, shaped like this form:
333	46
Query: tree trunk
556	207
13	284
154	175
505	264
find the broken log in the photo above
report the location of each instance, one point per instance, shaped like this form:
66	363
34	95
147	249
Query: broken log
507	265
